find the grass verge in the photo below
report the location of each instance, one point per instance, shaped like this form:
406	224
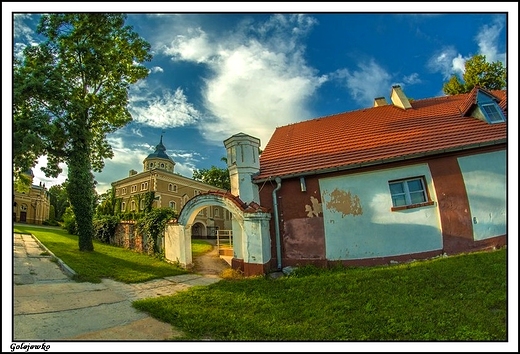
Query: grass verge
105	261
458	298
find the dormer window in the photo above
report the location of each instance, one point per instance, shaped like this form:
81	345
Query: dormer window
492	113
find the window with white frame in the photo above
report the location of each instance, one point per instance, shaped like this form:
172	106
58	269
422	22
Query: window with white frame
134	188
123	206
492	112
141	205
123	190
216	212
132	205
408	193
144	186
172	205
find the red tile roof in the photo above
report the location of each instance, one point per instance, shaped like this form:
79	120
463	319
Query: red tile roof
378	134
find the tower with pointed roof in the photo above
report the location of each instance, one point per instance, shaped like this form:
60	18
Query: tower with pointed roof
171	190
159	159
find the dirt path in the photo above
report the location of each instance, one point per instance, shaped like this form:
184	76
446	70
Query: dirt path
210	263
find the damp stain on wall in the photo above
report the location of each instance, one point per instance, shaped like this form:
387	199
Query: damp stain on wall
345	203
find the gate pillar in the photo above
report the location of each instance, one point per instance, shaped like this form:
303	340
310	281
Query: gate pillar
177	244
257	243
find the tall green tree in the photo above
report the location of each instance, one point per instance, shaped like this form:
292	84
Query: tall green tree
59	199
69	93
215	176
478	72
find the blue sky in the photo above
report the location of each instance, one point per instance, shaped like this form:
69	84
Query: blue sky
215	74
265	65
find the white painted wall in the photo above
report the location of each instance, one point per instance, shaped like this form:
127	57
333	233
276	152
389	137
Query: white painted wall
485	180
378	231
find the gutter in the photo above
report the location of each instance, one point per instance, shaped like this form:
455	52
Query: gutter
382	161
277	223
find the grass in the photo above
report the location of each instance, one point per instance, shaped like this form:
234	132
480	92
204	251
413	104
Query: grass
459	298
199	247
105	261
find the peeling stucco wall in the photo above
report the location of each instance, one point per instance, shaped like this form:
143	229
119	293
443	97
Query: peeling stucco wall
314	209
344	202
359	222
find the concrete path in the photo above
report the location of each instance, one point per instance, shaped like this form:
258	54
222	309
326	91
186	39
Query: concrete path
48	305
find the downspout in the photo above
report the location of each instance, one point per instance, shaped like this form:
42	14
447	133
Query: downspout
277	223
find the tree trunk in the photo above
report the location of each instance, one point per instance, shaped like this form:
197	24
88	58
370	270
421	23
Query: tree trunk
81	194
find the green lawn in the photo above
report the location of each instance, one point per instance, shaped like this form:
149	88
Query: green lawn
457	298
105	262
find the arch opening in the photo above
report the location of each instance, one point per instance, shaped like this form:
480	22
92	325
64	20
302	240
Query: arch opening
249	225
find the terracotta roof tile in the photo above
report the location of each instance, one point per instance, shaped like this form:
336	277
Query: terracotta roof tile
378	133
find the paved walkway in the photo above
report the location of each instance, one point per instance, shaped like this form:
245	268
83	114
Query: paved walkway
48	305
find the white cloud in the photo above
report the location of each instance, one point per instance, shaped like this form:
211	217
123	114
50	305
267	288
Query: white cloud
39	176
191	47
487	40
156	69
259	78
412	79
366	83
166	111
449	62
137	132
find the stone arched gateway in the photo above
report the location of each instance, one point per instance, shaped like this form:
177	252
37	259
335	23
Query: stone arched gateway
251	239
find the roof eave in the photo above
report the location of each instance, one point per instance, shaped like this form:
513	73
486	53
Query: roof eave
382	161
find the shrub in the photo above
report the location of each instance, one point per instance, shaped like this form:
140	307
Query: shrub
69	221
152	224
105	227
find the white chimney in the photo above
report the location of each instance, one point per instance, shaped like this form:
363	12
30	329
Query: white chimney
380	101
399	98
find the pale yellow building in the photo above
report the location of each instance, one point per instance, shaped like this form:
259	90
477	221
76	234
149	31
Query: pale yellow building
31	207
171	190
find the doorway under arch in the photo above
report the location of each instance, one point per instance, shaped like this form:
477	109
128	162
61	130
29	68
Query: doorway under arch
198	230
250	232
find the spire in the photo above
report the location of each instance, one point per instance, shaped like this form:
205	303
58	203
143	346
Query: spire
160	147
159	153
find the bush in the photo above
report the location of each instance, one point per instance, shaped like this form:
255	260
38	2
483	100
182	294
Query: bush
105	227
50	222
69	221
152	224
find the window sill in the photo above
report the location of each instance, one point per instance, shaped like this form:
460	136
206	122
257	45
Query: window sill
412	206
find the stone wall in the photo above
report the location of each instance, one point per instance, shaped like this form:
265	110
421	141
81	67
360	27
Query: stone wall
126	236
